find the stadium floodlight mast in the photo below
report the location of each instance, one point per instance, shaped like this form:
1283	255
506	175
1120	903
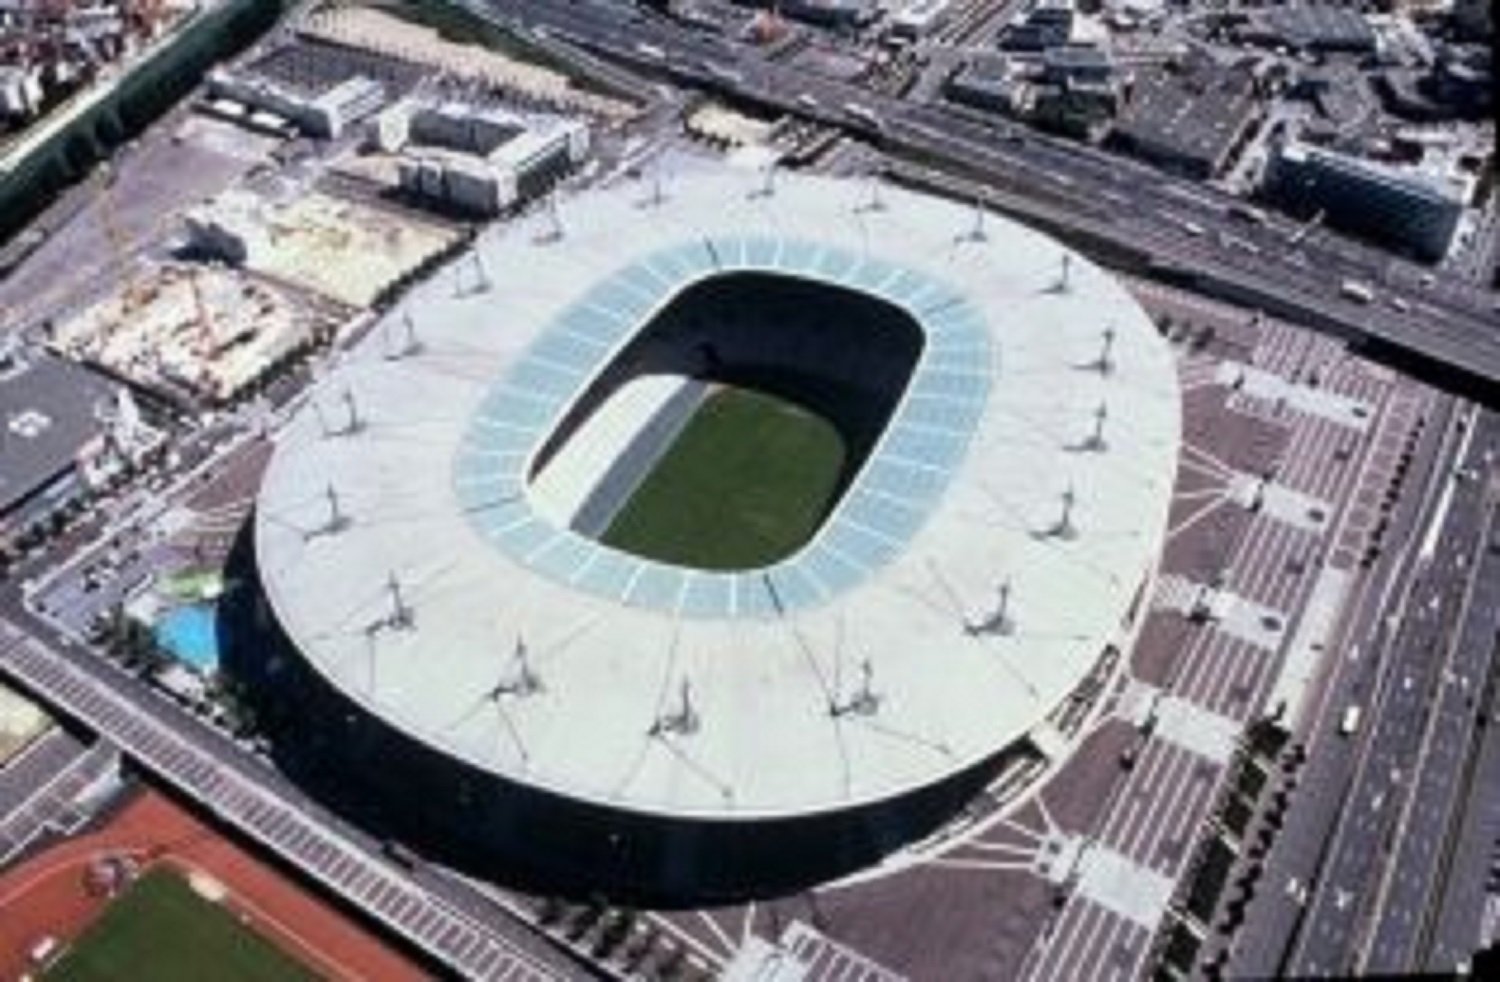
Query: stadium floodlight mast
997	622
401	616
976	232
336	521
553	230
682	721
352	424
1106	364
521	681
480	283
874	199
409	345
323	427
767	186
1063	282
864	701
1095	442
657	195
481	272
1065	529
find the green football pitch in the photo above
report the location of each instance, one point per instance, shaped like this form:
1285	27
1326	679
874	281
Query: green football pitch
746	482
161	930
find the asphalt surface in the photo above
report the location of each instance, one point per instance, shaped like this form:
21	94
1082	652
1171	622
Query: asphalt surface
1421	858
1182	224
1350	880
24	775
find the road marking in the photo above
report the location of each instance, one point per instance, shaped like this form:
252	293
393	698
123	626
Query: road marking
1180	722
1122	886
1257	383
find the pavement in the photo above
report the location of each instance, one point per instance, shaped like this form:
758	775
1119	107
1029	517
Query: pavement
1349	882
1042	178
240	791
47	790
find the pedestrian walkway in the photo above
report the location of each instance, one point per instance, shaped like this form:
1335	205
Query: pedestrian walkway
1121	885
126	717
1260	393
826	960
1179	721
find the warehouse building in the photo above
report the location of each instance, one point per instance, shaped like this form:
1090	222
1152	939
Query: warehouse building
59	436
1311	28
845	14
1190	122
325	114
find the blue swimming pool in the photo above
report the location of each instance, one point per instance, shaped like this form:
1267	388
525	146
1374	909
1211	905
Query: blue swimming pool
191	634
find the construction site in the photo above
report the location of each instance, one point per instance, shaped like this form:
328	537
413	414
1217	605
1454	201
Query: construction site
191	333
340	249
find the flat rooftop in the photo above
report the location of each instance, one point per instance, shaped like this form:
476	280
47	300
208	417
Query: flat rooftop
47	414
985	481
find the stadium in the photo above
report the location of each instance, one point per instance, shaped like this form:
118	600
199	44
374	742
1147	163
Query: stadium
711	538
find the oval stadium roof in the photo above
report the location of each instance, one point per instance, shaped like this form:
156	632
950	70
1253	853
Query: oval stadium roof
985	554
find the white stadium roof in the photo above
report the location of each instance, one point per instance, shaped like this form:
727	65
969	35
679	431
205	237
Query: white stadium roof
415	590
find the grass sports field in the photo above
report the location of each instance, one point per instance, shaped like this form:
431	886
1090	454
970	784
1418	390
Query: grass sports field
747	481
161	930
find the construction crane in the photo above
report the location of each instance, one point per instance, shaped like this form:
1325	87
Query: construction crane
204	335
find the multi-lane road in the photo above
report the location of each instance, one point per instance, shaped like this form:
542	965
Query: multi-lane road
457	926
1174	223
1363	877
1369	907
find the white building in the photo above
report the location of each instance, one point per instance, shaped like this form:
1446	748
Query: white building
918	19
20	90
478	159
325	115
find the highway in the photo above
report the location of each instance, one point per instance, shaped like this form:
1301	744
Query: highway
1370	895
1174	223
1351	879
1421	860
454	924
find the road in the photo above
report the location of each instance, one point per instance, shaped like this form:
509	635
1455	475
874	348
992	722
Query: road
1421	859
1176	223
1395	816
1349	882
448	919
40	790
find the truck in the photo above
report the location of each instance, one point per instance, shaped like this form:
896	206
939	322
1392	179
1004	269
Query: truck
1356	291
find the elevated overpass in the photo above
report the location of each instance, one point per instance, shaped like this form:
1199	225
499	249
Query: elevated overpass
1178	229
